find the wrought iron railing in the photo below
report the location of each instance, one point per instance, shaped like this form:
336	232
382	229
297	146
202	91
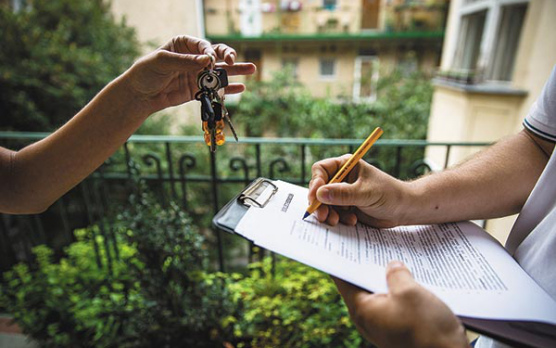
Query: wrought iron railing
181	169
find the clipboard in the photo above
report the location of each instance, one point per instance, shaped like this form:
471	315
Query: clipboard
231	214
515	333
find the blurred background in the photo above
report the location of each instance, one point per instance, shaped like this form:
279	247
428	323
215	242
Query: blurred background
129	258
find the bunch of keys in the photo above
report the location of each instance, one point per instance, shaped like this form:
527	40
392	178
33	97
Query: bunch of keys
211	83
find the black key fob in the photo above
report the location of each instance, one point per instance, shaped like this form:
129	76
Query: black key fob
217	107
207	112
222	76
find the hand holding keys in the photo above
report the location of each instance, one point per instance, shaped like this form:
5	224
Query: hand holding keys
211	82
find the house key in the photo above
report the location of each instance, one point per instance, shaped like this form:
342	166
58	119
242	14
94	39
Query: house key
213	112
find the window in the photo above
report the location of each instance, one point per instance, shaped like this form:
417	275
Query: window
329	4
488	38
366	78
327	68
291	64
409	64
469	41
509	30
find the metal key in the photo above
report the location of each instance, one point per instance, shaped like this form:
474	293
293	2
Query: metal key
226	114
211	83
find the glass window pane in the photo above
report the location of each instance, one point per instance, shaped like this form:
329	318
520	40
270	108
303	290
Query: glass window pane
369	76
329	4
509	31
291	64
469	41
327	67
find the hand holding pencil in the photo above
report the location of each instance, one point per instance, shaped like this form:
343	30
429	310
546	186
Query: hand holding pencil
367	194
348	166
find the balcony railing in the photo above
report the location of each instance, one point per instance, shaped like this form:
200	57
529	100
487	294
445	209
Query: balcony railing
181	169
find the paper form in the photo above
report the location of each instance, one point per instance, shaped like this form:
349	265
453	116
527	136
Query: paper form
459	262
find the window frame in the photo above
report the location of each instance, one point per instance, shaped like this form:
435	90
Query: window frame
329	7
487	47
294	62
357	78
331	77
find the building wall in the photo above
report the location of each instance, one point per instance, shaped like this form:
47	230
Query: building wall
537	53
308	56
308	68
156	22
458	114
224	18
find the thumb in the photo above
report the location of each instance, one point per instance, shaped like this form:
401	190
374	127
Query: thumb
398	277
342	194
181	62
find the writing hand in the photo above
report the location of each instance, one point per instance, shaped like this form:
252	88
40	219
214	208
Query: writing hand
367	195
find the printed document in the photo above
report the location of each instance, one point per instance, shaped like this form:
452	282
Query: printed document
459	262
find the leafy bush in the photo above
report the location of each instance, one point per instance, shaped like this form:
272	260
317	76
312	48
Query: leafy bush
182	304
157	295
296	306
73	302
56	55
284	107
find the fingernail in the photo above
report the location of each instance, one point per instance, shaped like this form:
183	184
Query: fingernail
324	195
395	264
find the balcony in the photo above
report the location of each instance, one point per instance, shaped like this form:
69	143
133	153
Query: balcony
181	169
311	21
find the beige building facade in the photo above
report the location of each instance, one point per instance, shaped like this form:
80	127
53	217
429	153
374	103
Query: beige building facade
337	48
156	22
496	58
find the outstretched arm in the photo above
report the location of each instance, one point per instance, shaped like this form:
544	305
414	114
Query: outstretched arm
36	176
494	183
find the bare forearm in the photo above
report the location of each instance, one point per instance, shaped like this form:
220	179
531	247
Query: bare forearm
42	172
494	183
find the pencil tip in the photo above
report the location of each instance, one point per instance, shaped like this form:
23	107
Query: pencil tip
305	216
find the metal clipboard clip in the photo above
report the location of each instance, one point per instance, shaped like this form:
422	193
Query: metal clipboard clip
252	193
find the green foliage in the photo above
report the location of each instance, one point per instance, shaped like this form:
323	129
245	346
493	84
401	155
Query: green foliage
182	305
283	107
157	294
403	104
296	307
73	302
157	124
56	55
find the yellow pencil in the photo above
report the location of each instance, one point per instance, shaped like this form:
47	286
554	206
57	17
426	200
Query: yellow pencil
348	166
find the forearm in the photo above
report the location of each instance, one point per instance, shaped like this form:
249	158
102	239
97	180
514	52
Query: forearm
492	184
42	172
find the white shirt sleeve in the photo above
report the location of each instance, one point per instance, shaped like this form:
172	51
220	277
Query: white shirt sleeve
541	119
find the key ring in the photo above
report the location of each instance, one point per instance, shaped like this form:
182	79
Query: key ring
212	62
208	79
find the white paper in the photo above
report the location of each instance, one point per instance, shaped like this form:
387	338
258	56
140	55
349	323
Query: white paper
459	262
